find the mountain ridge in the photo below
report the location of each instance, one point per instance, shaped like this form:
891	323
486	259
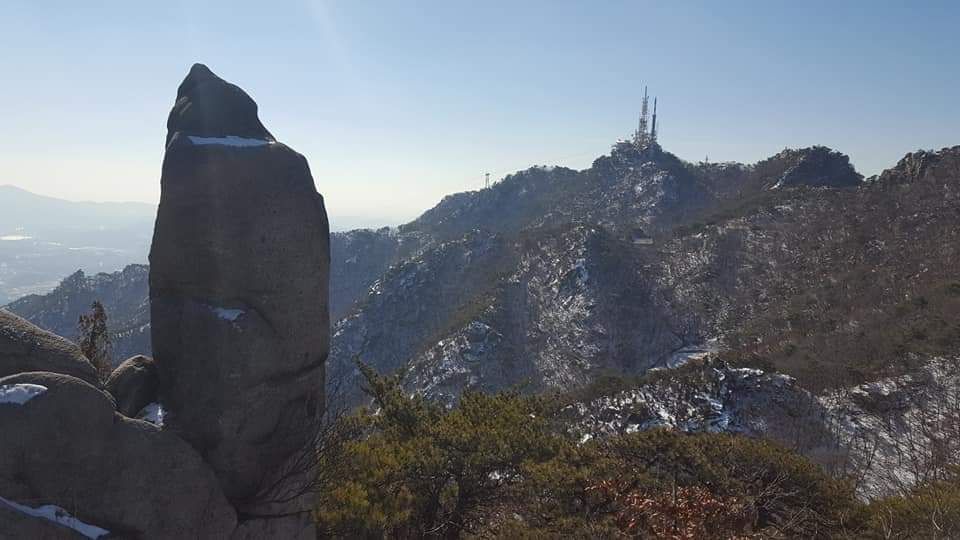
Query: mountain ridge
550	256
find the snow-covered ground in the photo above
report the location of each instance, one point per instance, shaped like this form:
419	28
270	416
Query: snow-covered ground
715	399
888	434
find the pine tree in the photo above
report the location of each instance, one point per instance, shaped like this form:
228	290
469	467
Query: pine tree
95	340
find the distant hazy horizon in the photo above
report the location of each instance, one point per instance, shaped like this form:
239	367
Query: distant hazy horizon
396	107
338	222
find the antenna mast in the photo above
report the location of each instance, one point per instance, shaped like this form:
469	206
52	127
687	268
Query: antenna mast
645	138
640	137
653	126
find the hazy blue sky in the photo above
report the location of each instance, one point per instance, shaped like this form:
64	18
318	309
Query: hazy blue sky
397	103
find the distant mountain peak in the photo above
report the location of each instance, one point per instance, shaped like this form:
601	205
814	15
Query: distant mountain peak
915	166
817	166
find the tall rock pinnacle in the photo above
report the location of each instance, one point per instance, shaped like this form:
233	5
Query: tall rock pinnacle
239	271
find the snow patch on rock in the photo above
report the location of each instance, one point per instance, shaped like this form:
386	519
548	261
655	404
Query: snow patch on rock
227	314
229	140
152	413
18	394
59	516
692	352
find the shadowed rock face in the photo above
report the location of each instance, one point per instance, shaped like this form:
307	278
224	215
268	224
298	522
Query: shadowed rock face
941	166
208	106
816	166
73	450
25	347
238	287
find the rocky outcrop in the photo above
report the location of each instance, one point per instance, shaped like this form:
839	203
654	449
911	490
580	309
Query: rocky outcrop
238	288
134	385
25	347
70	449
942	166
707	396
817	166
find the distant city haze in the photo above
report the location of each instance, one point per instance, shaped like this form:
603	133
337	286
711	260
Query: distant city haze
396	104
44	239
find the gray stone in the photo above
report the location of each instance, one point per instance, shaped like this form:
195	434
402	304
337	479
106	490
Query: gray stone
817	166
67	447
25	347
295	527
239	290
134	384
